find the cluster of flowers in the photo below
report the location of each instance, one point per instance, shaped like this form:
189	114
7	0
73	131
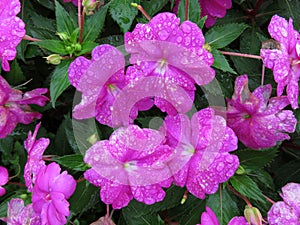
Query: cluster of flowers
167	60
50	188
282	212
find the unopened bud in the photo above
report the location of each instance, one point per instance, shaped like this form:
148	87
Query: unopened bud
240	171
89	6
207	47
54	59
92	139
63	36
253	216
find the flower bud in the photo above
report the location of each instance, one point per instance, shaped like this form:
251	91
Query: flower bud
240	170
253	216
54	59
89	6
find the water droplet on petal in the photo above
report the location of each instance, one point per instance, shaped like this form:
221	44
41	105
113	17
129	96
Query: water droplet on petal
186	28
163	35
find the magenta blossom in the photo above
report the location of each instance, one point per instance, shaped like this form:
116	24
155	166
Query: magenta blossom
131	164
173	53
212	9
14	106
258	120
3	179
210	218
35	149
100	80
288	210
285	61
18	214
201	160
50	194
12	30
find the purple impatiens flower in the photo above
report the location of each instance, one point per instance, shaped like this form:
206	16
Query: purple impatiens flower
3	179
35	149
12	30
285	61
50	194
14	106
18	214
201	159
258	120
100	80
130	165
173	52
286	211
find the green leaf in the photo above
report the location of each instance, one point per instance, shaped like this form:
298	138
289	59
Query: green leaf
46	3
193	13
94	24
224	205
221	63
15	75
191	211
123	13
221	36
254	160
290	8
64	22
73	162
289	172
54	46
40	21
247	187
59	81
250	43
263	178
85	197
87	47
152	7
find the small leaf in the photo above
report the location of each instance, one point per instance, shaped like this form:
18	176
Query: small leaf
123	13
254	160
152	7
73	162
221	63
64	22
247	187
85	197
15	75
289	172
221	36
223	205
132	217
59	81
94	24
193	13
54	46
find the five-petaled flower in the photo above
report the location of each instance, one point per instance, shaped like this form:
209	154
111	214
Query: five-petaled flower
285	61
12	30
35	149
14	106
131	164
286	211
50	193
258	120
201	160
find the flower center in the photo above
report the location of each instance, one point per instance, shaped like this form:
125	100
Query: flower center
162	66
247	116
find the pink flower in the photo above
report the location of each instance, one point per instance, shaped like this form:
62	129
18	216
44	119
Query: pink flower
14	106
284	61
201	160
258	120
100	80
12	30
288	210
210	218
172	52
131	164
35	149
50	194
3	179
212	9
17	214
